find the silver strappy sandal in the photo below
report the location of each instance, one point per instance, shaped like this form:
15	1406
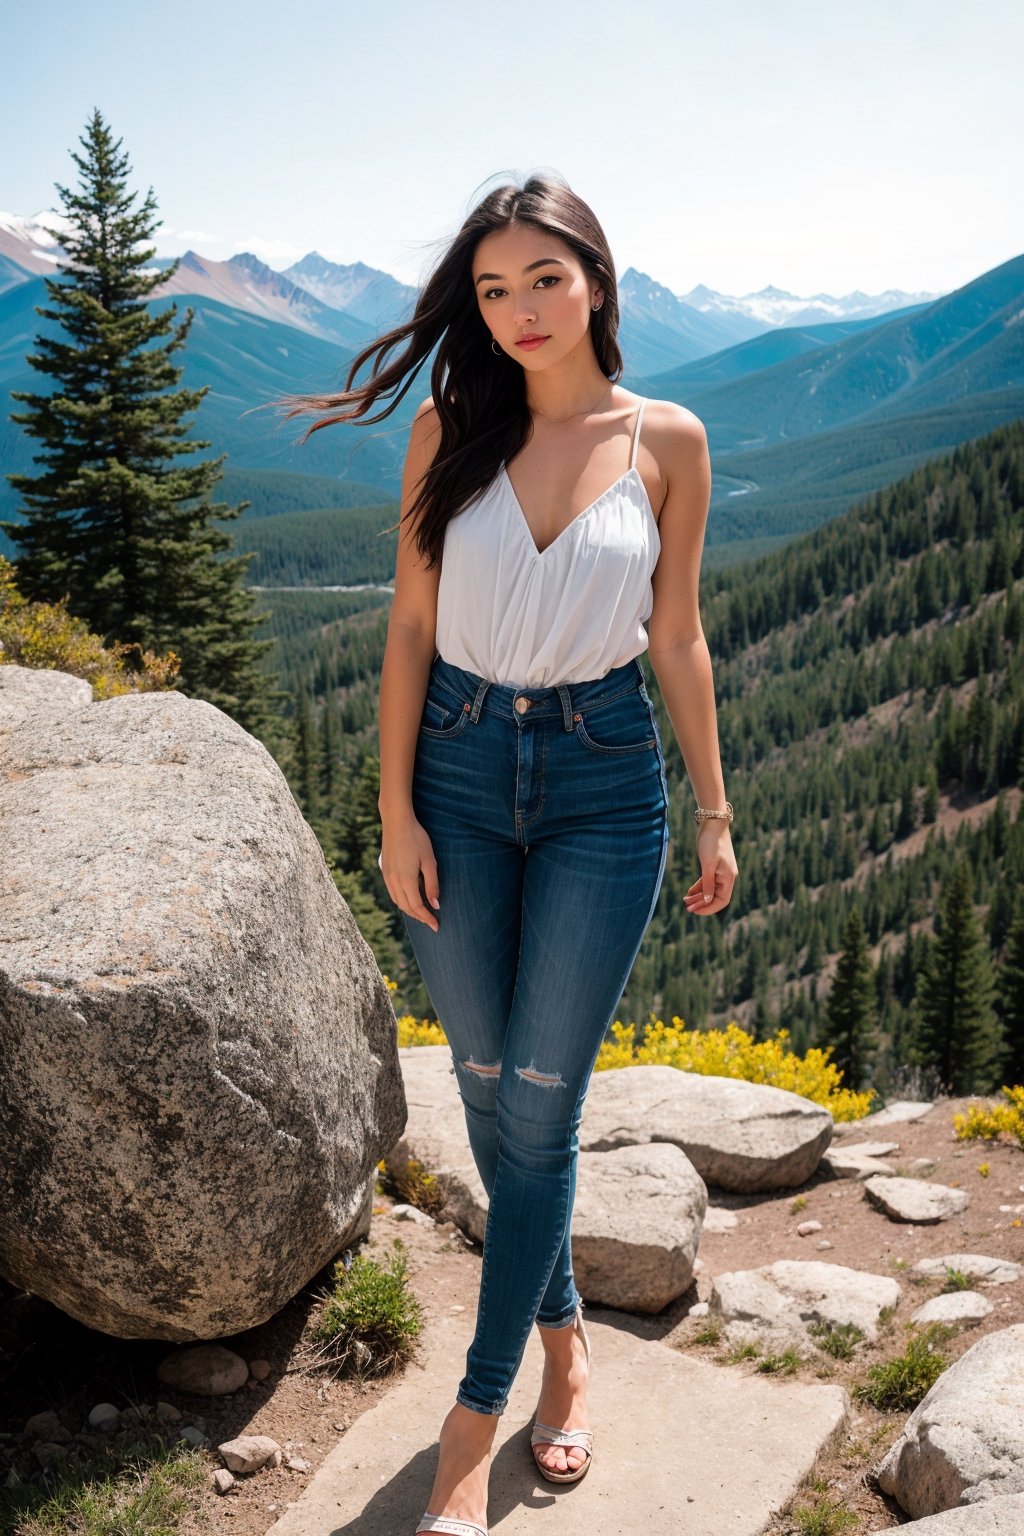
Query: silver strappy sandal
548	1435
449	1526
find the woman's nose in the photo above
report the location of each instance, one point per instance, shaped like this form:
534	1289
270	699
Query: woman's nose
524	309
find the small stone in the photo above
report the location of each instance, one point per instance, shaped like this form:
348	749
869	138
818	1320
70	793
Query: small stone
953	1307
42	1426
207	1369
107	1419
248	1453
456	1308
412	1213
823	1244
260	1369
194	1436
223	1480
166	1412
806	1228
699	1309
296	1464
49	1454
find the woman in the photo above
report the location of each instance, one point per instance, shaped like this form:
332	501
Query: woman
546	514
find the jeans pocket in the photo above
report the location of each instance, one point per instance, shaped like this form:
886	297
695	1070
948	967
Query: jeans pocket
440	721
625	726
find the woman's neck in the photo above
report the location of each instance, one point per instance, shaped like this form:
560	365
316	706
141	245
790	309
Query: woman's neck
570	389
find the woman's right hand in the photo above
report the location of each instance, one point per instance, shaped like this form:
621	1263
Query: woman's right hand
406	851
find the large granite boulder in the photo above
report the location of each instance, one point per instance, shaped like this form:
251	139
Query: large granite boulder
745	1137
964	1442
200	1069
638	1213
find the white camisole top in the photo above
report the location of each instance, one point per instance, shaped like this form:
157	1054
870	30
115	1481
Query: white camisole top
530	618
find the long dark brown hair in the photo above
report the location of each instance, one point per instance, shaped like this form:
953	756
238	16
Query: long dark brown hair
480	397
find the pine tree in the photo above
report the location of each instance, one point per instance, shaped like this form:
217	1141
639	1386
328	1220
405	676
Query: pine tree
849	1025
1010	990
955	1028
110	521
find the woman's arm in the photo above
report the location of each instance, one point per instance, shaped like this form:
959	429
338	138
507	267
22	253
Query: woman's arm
677	648
408	653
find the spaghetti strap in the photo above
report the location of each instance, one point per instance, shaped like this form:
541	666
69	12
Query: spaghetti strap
636	434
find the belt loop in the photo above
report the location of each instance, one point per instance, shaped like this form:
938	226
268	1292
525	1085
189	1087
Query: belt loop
563	694
478	702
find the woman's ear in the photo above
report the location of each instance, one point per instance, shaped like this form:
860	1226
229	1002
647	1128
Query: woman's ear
598	298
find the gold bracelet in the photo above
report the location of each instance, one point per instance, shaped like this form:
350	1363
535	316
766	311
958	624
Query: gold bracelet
701	815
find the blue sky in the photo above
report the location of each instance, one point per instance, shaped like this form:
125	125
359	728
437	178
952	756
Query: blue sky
816	146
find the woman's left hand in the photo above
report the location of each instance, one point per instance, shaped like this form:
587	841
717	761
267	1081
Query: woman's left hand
718	870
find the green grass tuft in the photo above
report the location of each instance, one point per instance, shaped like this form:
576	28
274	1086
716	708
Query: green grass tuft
781	1365
371	1319
956	1280
901	1383
825	1517
836	1339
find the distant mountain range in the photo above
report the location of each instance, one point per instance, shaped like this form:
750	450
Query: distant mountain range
350	304
802	417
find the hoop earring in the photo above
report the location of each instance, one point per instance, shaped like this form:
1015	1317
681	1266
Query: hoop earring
498	351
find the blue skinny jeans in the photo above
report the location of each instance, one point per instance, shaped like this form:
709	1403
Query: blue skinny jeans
547	810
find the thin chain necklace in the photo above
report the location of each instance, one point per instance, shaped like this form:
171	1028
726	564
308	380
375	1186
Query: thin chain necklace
560	420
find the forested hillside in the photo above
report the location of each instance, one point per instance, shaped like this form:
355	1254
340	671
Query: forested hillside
870	679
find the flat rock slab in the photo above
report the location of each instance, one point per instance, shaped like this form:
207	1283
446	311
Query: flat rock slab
378	1478
996	1517
870	1148
777	1302
979	1266
893	1114
740	1136
846	1164
953	1307
915	1199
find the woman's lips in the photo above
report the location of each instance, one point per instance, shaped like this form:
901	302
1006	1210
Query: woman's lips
531	343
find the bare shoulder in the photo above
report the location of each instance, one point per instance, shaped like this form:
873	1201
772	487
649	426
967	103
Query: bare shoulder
426	423
674	436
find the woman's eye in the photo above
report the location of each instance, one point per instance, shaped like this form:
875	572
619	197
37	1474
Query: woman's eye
549	277
490	292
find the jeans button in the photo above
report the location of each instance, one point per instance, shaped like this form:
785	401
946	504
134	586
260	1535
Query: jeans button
522	705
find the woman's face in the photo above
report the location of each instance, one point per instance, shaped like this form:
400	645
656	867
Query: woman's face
534	295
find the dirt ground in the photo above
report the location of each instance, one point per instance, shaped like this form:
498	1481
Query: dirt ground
49	1361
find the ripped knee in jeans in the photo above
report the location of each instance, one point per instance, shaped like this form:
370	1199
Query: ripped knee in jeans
483	1069
543	1079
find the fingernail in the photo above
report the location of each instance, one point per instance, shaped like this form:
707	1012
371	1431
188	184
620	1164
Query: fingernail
435	904
707	898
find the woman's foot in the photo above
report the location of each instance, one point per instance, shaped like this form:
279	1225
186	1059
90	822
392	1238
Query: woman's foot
463	1465
563	1396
